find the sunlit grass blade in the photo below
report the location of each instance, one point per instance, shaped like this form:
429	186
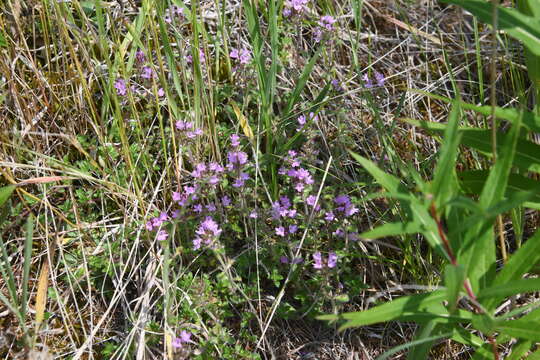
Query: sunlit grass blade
442	187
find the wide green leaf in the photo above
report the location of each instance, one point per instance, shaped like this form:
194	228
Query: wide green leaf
511	288
530	120
472	182
523	329
527	155
393	310
393	229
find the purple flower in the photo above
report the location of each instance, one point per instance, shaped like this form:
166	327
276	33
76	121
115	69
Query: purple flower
163	216
139	56
209	228
176	196
280	231
329	216
208	231
193	134
211	207
317	35
367	81
339	233
245	56
253	214
184	125
175	214
157	222
235	140
317	260
301	120
185	337
234	54
311	200
198	208
226	201
162	235
214	166
197	243
285	202
293	229
336	85
237	157
149	226
332	260
241	180
327	22
284	260
213	180
147	72
120	86
379	78
160	92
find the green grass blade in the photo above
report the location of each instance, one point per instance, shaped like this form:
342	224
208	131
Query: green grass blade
301	84
516	24
429	339
519	263
27	262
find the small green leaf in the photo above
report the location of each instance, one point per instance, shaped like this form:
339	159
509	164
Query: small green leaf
5	193
3	42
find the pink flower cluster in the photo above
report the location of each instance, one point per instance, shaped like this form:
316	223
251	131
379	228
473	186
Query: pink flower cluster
188	130
207	233
243	55
318	262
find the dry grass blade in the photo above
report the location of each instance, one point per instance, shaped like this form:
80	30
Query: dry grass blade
41	296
